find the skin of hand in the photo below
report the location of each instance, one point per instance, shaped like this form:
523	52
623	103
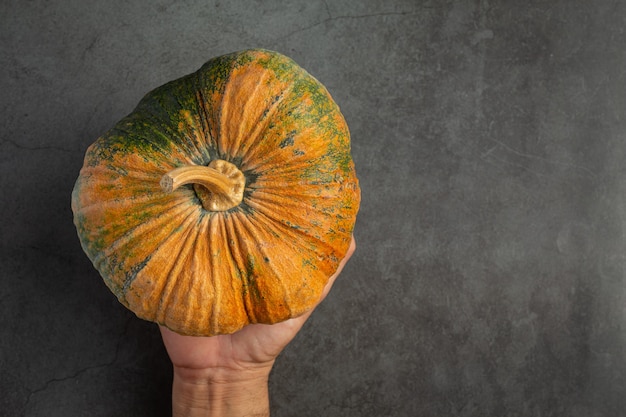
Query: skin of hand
226	375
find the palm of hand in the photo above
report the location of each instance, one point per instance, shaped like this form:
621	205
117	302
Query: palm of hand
254	346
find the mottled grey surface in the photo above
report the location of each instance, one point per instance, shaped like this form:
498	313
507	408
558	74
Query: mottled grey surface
490	140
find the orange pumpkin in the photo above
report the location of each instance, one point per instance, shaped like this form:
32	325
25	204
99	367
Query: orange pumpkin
227	197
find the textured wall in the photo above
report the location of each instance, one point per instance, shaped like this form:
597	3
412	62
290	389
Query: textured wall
490	140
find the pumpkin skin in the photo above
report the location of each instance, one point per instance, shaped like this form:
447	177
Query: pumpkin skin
202	272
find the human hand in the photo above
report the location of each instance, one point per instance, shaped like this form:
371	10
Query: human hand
226	375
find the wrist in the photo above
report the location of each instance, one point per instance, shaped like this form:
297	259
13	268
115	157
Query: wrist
221	392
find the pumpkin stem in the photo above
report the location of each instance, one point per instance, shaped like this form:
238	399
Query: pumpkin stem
219	186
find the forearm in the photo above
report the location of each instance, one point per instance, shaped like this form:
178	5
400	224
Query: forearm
211	395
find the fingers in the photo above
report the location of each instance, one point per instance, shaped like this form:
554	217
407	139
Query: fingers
343	263
299	321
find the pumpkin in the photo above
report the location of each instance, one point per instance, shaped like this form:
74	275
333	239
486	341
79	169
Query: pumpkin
226	197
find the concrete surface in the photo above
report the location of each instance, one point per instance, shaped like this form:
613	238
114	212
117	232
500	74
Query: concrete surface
490	141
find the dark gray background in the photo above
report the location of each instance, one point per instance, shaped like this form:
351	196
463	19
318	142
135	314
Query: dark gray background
489	138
